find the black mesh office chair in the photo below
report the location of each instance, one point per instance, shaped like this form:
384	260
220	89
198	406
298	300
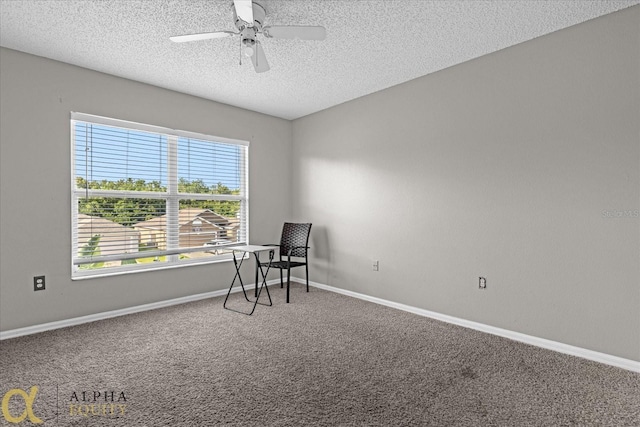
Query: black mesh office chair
293	251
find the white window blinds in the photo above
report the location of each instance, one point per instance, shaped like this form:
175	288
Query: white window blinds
145	197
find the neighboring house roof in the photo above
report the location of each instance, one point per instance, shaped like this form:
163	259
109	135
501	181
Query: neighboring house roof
93	225
186	216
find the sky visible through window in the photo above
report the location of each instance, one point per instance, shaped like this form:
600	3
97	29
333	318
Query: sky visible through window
139	155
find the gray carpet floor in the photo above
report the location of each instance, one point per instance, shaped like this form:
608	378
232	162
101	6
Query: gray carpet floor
325	359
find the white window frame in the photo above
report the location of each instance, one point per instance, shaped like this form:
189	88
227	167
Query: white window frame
171	196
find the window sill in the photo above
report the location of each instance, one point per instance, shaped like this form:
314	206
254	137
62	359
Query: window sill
150	268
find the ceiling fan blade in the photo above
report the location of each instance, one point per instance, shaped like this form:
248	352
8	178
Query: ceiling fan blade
244	10
294	31
259	59
201	36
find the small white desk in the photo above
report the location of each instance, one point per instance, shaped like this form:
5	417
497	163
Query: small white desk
255	250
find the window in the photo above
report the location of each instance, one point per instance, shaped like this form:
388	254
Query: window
145	197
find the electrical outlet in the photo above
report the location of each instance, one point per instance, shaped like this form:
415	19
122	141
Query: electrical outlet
482	283
38	283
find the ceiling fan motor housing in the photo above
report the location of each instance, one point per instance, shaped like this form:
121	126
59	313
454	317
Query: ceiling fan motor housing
249	36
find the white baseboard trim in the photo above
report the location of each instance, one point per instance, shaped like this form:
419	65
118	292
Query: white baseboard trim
607	359
115	313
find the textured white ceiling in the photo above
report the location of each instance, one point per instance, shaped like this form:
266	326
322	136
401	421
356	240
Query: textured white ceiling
370	45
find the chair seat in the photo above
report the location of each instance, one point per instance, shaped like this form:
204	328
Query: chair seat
284	265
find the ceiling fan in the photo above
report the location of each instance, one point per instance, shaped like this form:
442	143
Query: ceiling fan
249	17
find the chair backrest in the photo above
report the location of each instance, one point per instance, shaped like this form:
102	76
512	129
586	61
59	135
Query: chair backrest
295	234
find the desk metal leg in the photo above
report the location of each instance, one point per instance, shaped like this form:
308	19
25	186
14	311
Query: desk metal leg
263	284
236	276
257	256
264	278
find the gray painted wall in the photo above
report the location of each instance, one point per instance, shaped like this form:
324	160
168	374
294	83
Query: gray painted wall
500	167
36	97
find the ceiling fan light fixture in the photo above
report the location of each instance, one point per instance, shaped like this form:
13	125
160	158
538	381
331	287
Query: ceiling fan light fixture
249	47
